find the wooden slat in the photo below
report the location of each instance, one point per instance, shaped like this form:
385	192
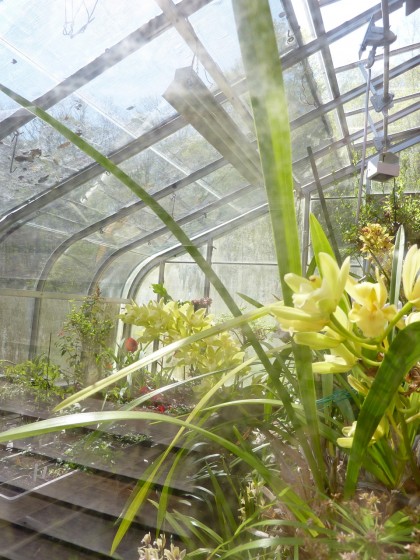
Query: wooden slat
70	525
18	543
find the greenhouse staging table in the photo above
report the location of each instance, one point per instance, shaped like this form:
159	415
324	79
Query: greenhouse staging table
61	493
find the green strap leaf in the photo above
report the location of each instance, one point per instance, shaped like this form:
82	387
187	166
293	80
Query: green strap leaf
320	243
269	104
402	355
397	264
265	83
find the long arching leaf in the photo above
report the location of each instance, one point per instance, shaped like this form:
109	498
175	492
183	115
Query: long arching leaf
269	105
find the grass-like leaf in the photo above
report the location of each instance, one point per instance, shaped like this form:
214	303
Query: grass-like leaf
320	243
402	355
269	105
265	83
397	264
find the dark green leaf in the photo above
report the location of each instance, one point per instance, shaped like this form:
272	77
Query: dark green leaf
402	355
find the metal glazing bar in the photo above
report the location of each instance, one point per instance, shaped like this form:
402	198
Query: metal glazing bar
209	256
329	67
359	134
162	230
355	92
324	208
13	217
145	239
187	32
193	100
378	57
139	272
349	170
385	21
109	58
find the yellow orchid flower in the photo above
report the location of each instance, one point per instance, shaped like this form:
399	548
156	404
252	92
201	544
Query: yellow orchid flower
296	320
370	311
412	318
411	275
315	298
320	296
339	361
349	432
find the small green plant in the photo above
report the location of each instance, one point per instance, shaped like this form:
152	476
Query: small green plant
84	340
39	375
388	211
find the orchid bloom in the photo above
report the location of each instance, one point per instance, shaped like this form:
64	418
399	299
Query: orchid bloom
340	360
349	432
412	318
411	275
370	311
314	298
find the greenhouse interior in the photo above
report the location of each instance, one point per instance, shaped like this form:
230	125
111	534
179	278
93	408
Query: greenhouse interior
210	279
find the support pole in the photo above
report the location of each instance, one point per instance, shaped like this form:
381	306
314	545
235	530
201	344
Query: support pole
305	234
209	256
331	235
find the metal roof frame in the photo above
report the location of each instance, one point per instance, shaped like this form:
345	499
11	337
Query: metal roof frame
23	211
244	160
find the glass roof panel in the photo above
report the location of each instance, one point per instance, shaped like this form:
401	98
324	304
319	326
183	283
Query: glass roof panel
125	101
340	11
24	254
317	134
19	74
39	157
61	37
186	150
224	180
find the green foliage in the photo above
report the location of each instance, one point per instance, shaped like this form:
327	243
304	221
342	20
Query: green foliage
390	211
290	449
39	375
84	340
160	290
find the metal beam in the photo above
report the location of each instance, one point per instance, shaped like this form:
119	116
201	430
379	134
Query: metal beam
130	44
295	56
324	208
356	135
145	239
214	233
329	67
349	170
8	292
313	88
187	32
161	231
22	212
194	101
355	92
378	57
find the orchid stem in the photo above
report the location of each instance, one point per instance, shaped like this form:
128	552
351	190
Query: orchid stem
403	311
338	327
